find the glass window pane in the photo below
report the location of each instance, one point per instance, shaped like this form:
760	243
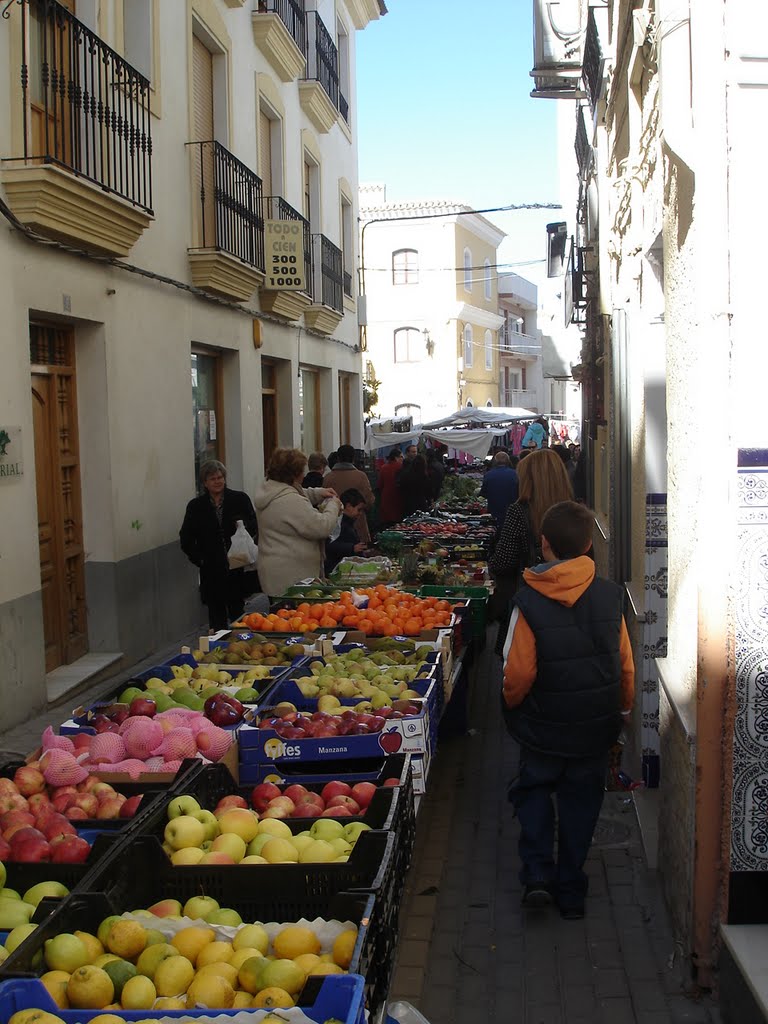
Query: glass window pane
205	412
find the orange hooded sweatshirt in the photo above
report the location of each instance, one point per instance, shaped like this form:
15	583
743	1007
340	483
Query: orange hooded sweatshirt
564	582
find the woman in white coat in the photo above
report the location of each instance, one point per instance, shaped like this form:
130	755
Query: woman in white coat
292	530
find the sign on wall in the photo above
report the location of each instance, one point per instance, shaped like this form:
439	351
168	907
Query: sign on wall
11	461
284	251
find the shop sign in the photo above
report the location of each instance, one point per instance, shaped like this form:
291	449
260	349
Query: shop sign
284	250
11	461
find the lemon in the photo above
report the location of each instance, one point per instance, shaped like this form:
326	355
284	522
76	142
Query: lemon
214	952
306	961
344	947
249	975
295	940
239	957
210	992
321	968
56	983
92	944
65	952
119	972
242	1000
35	1017
17	935
252	936
190	941
169	1003
138	994
220	969
105	958
271	998
90	988
127	939
152	957
107	1018
284	974
173	976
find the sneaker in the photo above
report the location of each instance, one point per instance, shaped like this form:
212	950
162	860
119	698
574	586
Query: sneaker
537	894
572	911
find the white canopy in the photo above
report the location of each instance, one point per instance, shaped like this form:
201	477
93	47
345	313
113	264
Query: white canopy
482	414
474	442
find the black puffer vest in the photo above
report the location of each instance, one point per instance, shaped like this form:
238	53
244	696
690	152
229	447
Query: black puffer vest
574	706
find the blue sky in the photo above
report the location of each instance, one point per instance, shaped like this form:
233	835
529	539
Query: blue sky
444	112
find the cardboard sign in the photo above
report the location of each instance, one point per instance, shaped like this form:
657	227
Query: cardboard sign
284	254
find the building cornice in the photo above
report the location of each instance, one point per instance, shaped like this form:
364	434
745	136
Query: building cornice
478	317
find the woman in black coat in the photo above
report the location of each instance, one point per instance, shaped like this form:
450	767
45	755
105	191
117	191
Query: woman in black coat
415	486
205	535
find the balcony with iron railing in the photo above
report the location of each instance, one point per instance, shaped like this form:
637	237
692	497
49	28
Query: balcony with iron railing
282	301
343	107
319	92
348	285
227	256
520	399
327	309
280	31
85	175
581	145
593	60
516	345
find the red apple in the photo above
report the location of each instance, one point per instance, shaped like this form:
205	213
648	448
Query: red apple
335	788
7	786
82	740
88	803
64	800
75	813
320	716
31	851
91	784
295	792
5	849
345	801
363	792
223	710
282	801
391	782
279	811
262	794
29	780
336	812
37	801
377	723
58	825
361	729
232	801
101	789
325	730
131	805
308	809
23	834
120	714
70	850
16	817
142	706
100	723
64	791
109	808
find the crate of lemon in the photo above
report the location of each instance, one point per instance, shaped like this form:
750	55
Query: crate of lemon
142	966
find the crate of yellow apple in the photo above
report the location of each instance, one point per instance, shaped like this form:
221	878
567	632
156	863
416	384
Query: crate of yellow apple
199	955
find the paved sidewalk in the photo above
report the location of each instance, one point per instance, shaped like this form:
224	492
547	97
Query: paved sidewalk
468	952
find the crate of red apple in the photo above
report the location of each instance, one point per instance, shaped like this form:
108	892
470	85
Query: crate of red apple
283	733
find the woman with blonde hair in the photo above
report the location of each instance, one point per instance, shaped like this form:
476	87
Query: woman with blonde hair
543	482
292	530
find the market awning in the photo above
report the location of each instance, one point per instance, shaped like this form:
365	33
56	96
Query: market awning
483	414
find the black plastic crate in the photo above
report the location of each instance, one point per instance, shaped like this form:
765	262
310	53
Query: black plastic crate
373	956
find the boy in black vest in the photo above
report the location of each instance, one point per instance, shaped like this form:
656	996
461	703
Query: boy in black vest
568	682
348	541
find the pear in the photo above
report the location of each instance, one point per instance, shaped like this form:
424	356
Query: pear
327	702
13	913
380	700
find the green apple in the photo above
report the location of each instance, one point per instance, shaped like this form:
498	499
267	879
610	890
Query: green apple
104	927
43	889
210	822
340	846
255	845
353	829
224	916
183	832
231	844
182	805
327	829
320	852
3	874
199	906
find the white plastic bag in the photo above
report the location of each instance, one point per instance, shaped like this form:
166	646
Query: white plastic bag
242	551
336	531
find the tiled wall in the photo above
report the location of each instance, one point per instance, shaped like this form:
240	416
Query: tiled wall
654	630
749	814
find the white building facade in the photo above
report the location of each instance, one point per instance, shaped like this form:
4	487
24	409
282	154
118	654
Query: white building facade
144	327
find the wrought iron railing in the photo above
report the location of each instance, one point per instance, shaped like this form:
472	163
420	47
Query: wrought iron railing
322	57
276	208
292	15
348	284
328	273
231	215
84	107
581	145
343	106
516	341
593	60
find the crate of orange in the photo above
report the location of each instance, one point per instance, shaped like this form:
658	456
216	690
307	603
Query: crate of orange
386	612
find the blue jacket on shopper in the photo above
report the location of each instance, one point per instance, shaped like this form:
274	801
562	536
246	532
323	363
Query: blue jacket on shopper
500	487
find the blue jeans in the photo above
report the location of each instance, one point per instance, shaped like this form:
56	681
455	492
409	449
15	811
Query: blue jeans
578	785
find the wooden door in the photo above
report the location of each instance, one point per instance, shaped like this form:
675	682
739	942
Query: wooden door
268	410
265	145
50	60
203	132
59	503
345	408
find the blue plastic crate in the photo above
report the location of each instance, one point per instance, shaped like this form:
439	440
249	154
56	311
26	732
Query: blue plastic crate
338	996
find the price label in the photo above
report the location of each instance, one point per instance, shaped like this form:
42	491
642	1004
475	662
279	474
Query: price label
284	251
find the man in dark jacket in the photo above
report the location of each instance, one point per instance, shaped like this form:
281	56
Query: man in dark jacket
568	682
500	487
205	536
347	543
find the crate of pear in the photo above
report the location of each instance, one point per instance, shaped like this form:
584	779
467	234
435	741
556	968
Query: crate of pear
255	651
